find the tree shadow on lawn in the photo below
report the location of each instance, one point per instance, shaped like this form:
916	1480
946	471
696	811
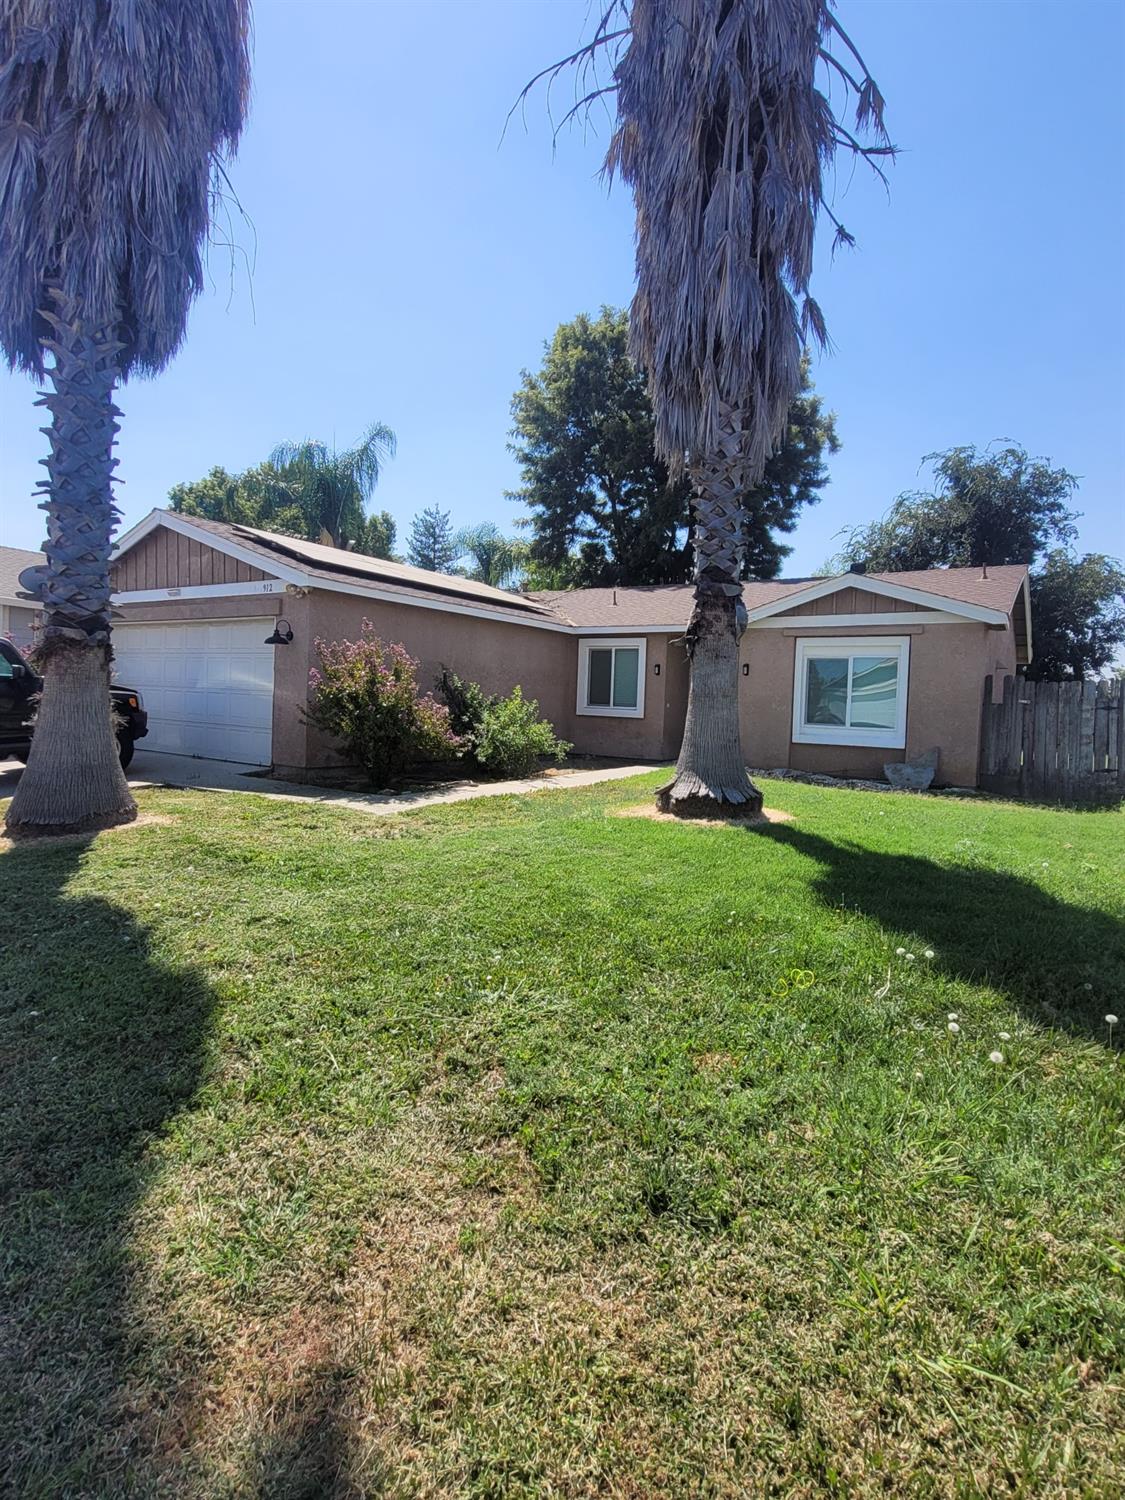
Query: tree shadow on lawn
1060	965
102	1045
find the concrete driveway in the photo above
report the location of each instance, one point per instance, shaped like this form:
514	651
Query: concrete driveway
155	768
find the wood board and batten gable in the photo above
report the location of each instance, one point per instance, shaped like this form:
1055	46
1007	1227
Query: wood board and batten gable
838	675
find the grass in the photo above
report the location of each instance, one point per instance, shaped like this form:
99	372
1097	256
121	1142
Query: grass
517	1148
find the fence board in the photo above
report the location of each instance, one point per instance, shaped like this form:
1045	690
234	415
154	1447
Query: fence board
1101	729
1053	740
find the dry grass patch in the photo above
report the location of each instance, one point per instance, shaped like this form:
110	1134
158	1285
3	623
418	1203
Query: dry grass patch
650	811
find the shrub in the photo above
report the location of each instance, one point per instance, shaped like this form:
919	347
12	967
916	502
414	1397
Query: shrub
467	703
366	694
512	737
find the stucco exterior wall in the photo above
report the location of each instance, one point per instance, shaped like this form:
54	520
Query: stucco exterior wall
948	665
499	654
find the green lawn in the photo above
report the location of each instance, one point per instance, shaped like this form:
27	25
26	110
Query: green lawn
517	1148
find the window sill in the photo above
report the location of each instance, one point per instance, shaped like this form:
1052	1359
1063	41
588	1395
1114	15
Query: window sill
876	739
610	713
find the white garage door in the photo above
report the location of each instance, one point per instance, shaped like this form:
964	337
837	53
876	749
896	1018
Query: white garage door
208	687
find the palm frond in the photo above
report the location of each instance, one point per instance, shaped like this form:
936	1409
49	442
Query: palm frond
113	122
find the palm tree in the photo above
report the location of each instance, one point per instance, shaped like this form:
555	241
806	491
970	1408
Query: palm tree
723	134
495	559
112	121
332	488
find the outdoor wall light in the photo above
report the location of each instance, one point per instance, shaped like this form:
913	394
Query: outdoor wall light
656	669
280	637
746	669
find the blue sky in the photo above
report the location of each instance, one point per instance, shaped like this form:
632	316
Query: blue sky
407	263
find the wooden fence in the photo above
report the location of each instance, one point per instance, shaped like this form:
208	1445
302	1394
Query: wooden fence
1054	741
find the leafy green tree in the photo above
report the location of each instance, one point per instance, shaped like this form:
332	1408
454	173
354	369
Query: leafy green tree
1078	615
997	506
432	543
493	558
113	122
603	508
332	487
1000	507
302	497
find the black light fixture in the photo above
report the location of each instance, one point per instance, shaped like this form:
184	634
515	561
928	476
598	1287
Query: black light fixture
280	637
656	669
746	669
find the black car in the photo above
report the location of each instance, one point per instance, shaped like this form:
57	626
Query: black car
18	686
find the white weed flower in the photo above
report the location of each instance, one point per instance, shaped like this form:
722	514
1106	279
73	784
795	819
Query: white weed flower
1111	1020
1005	1036
900	951
952	1016
917	1074
1087	986
929	953
996	1057
909	958
953	1028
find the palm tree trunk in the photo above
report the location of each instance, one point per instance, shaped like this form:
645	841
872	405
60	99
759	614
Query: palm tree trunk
73	780
711	778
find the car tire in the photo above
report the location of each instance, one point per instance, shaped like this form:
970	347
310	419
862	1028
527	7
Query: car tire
124	748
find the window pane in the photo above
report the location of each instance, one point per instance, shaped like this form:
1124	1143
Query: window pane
625	678
826	696
600	671
874	692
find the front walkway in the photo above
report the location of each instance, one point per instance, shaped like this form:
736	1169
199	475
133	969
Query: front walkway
153	768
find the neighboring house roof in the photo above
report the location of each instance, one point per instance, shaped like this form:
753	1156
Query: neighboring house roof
13	560
990	595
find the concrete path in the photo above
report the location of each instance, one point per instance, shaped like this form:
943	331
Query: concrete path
155	768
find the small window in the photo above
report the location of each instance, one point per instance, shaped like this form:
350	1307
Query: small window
851	692
611	678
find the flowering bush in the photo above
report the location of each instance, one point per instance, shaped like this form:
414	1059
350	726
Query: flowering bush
505	736
365	693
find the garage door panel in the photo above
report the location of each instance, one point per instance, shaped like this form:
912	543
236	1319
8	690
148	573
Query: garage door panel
207	686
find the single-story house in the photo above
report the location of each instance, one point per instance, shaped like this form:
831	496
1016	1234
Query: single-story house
839	674
17	615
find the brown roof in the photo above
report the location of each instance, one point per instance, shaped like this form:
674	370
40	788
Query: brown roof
992	588
647	607
333	564
650	607
670	604
13	560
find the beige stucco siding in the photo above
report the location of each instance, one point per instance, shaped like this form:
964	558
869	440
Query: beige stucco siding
948	665
499	654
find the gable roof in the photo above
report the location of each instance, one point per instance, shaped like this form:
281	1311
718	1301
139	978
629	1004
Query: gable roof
310	565
990	595
13	560
647	607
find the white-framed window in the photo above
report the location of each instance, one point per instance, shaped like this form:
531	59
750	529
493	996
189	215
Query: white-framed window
611	677
851	691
